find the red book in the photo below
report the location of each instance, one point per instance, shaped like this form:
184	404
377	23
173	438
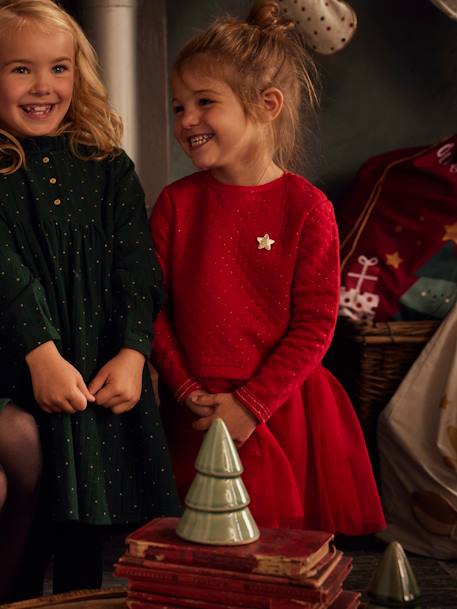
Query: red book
285	552
231	590
148	599
320	574
136	604
346	600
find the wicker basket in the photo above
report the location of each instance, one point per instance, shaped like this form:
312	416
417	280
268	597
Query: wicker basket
371	359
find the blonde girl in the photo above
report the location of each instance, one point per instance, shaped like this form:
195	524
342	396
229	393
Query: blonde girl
77	294
249	252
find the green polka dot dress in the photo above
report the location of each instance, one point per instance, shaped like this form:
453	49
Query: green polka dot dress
77	267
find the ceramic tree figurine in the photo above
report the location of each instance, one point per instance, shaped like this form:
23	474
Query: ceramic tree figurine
393	583
216	503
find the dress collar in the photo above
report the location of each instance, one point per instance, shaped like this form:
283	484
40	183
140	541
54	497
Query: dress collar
39	145
235	188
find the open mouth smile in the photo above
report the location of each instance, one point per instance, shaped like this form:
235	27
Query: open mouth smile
37	110
198	140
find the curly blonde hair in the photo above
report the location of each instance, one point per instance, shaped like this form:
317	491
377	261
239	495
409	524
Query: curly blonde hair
90	121
264	51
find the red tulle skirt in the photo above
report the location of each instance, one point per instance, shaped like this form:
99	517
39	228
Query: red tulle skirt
306	467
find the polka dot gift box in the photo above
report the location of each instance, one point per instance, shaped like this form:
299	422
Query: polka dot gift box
328	25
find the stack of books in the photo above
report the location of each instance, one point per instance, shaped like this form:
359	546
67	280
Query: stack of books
284	569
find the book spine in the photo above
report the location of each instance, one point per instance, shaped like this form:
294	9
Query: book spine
347	599
200	594
319	577
245	587
227	562
221	597
132	604
188	603
287	552
146	604
244	564
192	603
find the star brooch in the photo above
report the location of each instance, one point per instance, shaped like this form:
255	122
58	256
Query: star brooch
265	242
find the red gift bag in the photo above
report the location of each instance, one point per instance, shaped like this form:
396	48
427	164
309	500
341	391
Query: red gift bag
398	229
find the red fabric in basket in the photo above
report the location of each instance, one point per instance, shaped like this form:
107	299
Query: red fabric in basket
398	229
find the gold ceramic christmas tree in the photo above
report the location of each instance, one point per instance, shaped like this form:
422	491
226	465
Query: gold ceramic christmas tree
216	503
393	583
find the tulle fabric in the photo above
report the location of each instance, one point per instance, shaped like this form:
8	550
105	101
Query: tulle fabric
307	467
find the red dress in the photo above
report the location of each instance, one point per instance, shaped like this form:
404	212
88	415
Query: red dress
257	322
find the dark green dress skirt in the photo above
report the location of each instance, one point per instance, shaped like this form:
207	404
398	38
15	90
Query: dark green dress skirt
77	267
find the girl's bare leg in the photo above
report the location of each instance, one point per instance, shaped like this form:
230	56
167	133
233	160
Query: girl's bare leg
20	463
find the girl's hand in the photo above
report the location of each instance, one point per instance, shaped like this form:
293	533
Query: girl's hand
192	402
118	384
240	422
57	385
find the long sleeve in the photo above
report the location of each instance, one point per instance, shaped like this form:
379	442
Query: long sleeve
167	354
25	319
136	274
314	307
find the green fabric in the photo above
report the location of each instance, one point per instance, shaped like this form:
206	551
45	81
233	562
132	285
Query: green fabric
82	273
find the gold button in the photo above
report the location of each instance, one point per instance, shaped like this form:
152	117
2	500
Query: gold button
57	201
52	180
45	159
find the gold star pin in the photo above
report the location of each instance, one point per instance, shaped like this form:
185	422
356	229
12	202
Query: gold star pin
265	242
450	232
394	260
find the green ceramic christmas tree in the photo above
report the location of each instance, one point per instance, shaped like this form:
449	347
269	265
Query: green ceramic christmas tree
217	510
393	583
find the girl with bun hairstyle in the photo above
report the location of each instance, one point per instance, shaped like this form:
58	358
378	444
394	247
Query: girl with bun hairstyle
249	253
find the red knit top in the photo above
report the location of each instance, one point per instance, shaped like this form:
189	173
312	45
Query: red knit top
263	317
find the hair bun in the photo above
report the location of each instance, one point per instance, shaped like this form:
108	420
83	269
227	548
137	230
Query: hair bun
266	14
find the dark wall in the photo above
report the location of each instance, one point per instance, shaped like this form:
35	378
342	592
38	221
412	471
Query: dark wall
395	85
72	6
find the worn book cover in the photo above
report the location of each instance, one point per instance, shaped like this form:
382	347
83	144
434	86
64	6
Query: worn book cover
241	585
346	600
228	590
135	604
141	600
284	552
319	575
162	601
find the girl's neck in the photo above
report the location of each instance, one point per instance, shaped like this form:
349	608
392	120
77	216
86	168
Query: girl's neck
262	174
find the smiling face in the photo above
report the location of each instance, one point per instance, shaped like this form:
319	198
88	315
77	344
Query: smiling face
36	80
212	128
